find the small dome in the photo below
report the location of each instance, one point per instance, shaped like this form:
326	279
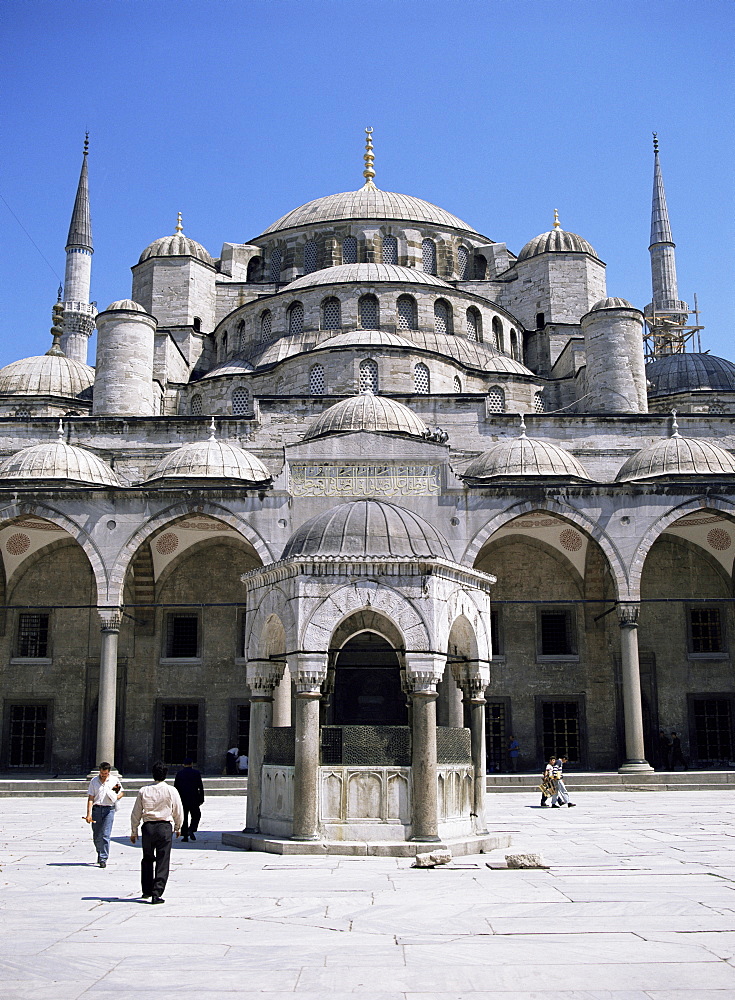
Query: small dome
211	459
366	412
676	373
126	304
368	529
677	456
365	274
60	461
556	241
612	302
46	375
524	457
177	245
366	338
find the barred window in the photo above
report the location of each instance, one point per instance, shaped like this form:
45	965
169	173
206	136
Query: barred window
390	250
538	402
556	633
480	267
196	405
331	314
496	399
705	630
442	317
428	256
474	324
368	307
497	333
296	319
311	257
182	636
26	414
27	735
457	384
241	336
32	635
560	729
463	261
368	376
240	402
266	326
349	250
407	313
316	380
421	379
179	733
275	265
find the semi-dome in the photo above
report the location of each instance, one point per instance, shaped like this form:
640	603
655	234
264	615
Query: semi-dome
56	460
676	373
557	240
46	375
211	459
176	245
365	274
233	366
369	529
369	202
366	412
677	456
524	457
612	302
125	304
366	338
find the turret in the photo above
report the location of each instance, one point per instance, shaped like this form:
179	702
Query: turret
613	341
123	384
78	312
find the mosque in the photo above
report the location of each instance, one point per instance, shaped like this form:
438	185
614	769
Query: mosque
367	494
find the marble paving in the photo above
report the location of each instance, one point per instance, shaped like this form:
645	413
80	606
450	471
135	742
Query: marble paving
638	904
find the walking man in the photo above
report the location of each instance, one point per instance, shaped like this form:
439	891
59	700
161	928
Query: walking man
159	807
102	798
188	783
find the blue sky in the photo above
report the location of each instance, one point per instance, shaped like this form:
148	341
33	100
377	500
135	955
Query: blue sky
236	111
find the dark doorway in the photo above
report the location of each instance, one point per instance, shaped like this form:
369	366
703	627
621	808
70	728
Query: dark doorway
367	684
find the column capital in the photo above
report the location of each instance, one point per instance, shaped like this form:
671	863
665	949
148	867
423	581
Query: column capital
422	684
309	671
110	619
262	677
424	671
628	612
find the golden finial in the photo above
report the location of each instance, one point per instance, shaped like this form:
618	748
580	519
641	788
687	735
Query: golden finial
56	330
86	142
655	141
179	227
557	224
369	172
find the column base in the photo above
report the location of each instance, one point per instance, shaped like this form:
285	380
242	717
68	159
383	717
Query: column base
635	767
425	840
306	840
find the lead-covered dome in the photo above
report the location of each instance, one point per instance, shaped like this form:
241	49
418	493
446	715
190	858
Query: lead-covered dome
127	305
556	240
676	373
369	529
56	460
523	458
366	412
176	245
46	375
677	456
612	302
211	459
365	274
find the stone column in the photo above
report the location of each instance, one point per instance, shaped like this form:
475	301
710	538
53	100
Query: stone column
107	700
449	705
474	691
632	707
310	671
282	699
423	671
262	677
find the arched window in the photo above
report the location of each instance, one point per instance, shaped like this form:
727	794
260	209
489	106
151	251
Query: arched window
311	257
275	265
407	313
349	250
514	351
457	384
474	324
223	346
428	256
463	264
316	380
497	334
421	381
197	324
196	406
296	319
496	399
266	326
390	250
368	308
540	321
241	336
368	376
480	267
442	316
240	402
254	268
331	314
538	402
26	414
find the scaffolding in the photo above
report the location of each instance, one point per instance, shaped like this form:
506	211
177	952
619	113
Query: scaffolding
669	332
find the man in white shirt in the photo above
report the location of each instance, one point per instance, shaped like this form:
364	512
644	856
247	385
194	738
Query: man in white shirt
159	807
102	798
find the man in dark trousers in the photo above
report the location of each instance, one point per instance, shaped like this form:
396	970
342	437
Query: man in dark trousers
188	783
159	807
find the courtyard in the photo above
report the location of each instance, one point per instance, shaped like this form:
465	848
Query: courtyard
638	904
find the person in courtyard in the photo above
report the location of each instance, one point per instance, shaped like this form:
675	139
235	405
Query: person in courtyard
160	809
562	795
548	784
514	749
242	764
664	751
231	760
188	783
677	757
103	794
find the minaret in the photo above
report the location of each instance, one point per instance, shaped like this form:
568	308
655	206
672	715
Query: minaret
79	314
666	315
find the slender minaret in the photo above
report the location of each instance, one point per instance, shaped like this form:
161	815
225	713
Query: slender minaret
666	315
79	314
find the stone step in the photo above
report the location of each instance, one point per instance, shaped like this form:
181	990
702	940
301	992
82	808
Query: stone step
76	786
601	781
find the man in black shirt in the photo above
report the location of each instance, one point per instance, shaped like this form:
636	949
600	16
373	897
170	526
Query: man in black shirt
188	783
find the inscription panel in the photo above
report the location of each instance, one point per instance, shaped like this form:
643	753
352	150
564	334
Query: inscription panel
364	480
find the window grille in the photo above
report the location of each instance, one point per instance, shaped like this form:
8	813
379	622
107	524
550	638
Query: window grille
196	406
538	402
240	402
496	736
713	729
296	319
241	336
428	256
716	408
179	733
421	379
497	334
349	250
32	635
441	316
706	630
368	376
496	400
311	258
27	735
331	315
23	414
457	384
390	250
276	265
463	259
316	380
369	312
474	324
407	313
555	628
266	326
560	721
182	636
480	267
